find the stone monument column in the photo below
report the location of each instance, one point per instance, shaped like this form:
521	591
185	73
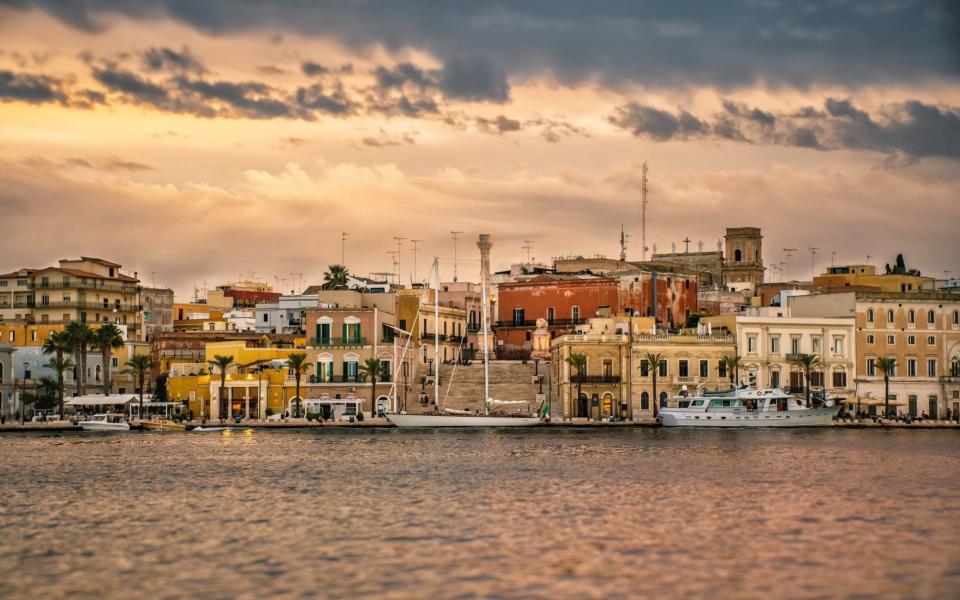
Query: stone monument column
485	243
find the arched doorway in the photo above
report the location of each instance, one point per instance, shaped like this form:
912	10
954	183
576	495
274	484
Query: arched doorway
606	405
663	399
383	405
583	406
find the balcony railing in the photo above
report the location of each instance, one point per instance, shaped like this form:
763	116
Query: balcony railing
533	322
89	304
430	336
597	379
685	379
339	341
129	288
336	379
456	339
473	326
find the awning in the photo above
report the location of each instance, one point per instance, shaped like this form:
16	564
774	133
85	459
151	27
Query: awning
102	400
864	401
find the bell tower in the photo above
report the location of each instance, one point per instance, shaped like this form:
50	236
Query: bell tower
743	255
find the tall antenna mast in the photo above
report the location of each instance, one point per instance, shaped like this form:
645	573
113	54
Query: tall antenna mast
455	234
528	246
395	256
623	245
399	241
643	212
788	252
813	253
415	248
343	248
833	257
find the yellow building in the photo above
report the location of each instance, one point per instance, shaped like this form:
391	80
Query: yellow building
246	383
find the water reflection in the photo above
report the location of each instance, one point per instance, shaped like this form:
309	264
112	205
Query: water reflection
390	513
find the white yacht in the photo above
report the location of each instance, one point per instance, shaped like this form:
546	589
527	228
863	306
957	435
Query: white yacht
746	407
105	422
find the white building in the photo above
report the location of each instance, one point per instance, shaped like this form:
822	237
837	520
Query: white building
768	338
286	315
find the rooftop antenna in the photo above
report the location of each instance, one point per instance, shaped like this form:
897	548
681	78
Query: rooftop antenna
788	252
833	257
455	234
399	241
623	245
395	254
813	253
415	242
643	211
528	246
343	248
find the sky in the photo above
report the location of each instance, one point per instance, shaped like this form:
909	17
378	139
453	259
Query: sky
201	142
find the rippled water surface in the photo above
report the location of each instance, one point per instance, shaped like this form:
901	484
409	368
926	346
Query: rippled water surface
512	514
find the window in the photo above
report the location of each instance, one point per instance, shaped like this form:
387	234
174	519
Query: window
550	314
575	314
33	335
931	318
608	367
893	370
737	255
751	344
722	370
663	369
3	283
403	324
911	340
931	340
911	316
795	344
890	340
114	362
11	337
684	368
931	367
956	317
889	315
870	315
870	339
774	378
704	368
775	345
839	379
816	379
815	344
871	367
518	316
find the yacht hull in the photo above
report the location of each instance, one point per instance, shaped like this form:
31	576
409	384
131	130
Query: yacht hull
100	426
816	417
461	421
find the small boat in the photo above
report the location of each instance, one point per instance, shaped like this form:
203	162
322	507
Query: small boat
746	407
164	425
105	422
452	420
202	429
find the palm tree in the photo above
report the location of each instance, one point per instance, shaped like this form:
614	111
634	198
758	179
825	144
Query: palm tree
888	366
80	336
335	278
59	364
374	369
47	388
108	337
298	362
140	364
223	363
731	363
807	362
654	361
57	343
579	362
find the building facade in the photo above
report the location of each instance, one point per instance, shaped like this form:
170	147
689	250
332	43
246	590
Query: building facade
157	310
287	315
743	257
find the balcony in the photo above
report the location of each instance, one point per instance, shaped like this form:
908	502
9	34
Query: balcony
473	327
90	305
334	379
456	339
685	380
533	323
430	336
73	284
598	379
338	341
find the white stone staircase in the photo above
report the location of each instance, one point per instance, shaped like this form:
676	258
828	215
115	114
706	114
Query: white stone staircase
509	380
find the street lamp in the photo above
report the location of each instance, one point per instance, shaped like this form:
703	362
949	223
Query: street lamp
536	372
26	366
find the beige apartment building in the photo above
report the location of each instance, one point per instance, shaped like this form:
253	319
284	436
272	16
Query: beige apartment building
767	339
417	314
618	381
919	330
89	290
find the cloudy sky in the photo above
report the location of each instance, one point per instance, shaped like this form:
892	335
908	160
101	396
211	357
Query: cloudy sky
202	141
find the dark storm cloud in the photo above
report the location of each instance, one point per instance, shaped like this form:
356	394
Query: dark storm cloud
739	42
335	102
34	89
473	80
165	59
502	124
912	129
311	68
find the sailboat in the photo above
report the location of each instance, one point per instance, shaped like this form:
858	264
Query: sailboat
461	418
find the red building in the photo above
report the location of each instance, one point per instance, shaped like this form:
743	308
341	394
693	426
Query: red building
568	301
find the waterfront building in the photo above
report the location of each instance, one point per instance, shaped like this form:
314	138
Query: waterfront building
768	340
171	348
89	290
919	330
8	399
618	381
416	314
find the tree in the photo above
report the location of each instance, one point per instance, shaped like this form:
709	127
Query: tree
140	364
807	362
60	364
654	361
160	388
374	369
888	366
335	278
80	336
731	363
223	363
107	338
298	362
47	392
57	343
579	362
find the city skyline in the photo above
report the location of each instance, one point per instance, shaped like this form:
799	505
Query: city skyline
198	144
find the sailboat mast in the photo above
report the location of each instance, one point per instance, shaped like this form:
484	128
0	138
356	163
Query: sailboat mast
436	331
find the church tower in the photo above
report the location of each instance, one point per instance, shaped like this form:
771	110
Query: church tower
743	258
